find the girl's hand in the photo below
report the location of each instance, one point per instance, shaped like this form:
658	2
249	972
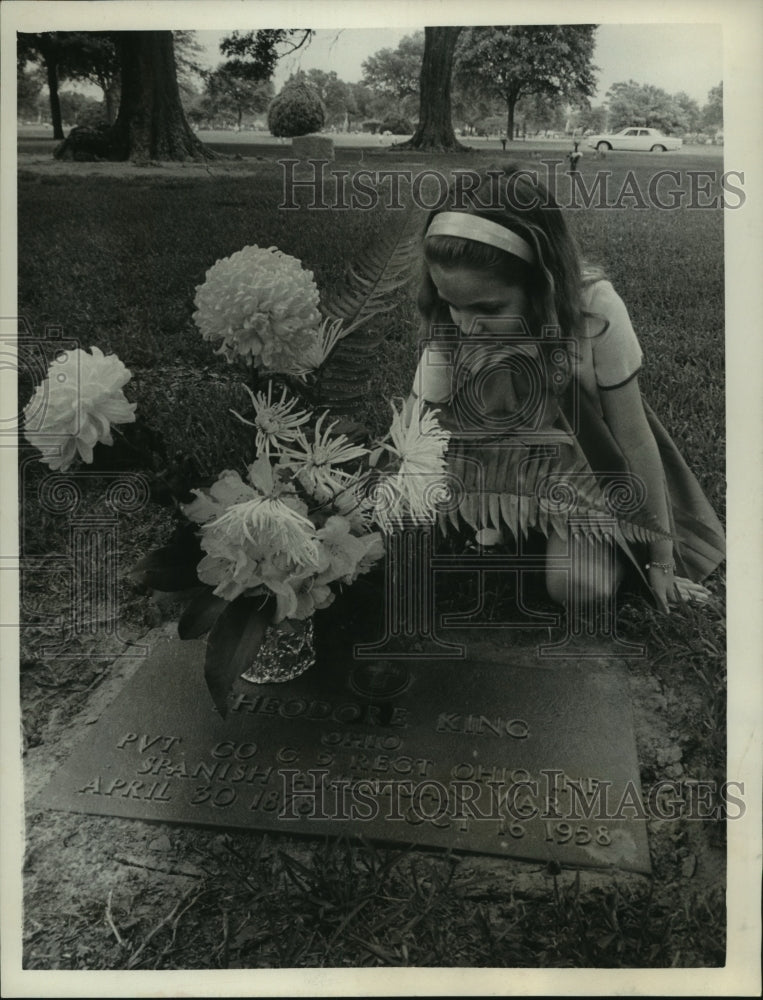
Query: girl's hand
670	589
688	590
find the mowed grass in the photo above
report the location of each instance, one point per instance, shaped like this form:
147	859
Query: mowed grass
114	263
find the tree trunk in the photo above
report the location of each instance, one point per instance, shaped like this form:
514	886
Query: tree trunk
55	104
108	98
511	103
435	131
110	90
151	124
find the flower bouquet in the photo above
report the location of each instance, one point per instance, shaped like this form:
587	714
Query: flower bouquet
262	548
267	546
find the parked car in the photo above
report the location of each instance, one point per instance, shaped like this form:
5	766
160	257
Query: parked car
635	138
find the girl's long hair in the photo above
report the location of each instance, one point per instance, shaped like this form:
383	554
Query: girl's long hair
514	198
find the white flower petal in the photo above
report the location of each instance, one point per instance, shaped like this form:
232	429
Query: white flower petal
75	406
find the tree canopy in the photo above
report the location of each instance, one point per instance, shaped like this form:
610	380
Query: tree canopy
712	112
515	62
632	103
91	56
29	84
230	96
254	54
396	73
337	96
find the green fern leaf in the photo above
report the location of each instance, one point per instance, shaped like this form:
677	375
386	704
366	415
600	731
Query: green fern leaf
386	265
510	510
543	517
559	523
495	511
468	510
453	515
523	511
529	473
368	289
532	510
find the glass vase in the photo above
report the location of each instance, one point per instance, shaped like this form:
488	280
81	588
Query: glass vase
287	651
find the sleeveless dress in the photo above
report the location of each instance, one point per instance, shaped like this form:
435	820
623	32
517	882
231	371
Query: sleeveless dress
532	460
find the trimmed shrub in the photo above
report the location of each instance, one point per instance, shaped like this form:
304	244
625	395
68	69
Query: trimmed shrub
397	126
297	110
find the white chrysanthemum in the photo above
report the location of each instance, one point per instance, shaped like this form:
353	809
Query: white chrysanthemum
253	536
272	526
418	444
241	545
316	462
276	422
74	407
262	306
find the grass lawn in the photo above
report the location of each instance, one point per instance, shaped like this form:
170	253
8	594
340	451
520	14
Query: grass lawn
113	262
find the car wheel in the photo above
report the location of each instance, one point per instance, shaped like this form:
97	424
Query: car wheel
603	146
657	149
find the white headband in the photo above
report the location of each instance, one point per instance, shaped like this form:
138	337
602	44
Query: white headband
474	227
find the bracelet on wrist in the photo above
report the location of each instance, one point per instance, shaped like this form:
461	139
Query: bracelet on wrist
665	567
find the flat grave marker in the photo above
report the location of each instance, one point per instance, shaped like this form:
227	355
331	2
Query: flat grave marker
524	759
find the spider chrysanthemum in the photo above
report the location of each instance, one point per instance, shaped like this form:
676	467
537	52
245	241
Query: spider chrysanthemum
276	422
417	445
317	462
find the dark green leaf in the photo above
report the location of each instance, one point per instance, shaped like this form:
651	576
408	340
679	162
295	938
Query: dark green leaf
166	569
173	566
200	615
232	645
